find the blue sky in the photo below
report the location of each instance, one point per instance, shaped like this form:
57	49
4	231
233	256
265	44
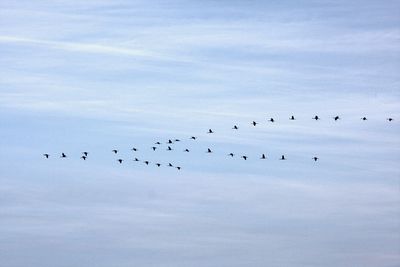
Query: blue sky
98	75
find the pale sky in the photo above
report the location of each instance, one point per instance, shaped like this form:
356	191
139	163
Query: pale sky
101	75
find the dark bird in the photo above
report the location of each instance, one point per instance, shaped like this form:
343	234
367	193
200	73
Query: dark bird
272	120
186	150
209	150
231	154
177	140
336	118
263	156
134	149
169	141
146	162
158	164
63	155
170	165
115	151
154	148
85	153
136	159
292	118
244	157
316	118
169	148
315	158
83	157
235	127
120	161
46	155
389	119
210	131
179	168
158	143
364	118
283	157
193	137
254	123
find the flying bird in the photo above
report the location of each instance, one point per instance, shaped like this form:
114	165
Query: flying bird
254	123
84	157
158	143
169	148
283	157
210	131
134	149
292	118
169	141
63	155
115	151
46	155
179	168
158	164
186	150
235	127
390	119
364	118
193	137
244	157
316	118
146	162
336	118
263	156
231	154
272	120
85	153
177	140
154	148
209	150
315	158
120	160
136	159
170	165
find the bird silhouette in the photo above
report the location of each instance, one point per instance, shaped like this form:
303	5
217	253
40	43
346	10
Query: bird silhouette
283	157
315	158
170	165
193	137
244	157
136	159
120	160
154	148
169	141
364	118
134	149
254	123
316	118
231	154
83	157
85	153
179	168
210	131
63	155
146	162
158	164
169	148
390	119
263	156
209	150
272	120
336	118
158	143
235	127
46	155
115	151
292	118
186	150
177	140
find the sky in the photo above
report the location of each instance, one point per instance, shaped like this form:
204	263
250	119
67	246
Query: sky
100	75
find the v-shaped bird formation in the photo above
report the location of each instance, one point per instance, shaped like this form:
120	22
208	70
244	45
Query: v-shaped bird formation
85	155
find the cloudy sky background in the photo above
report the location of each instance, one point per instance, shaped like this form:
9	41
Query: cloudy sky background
98	75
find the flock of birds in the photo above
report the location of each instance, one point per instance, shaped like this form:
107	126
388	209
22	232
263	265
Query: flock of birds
156	146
